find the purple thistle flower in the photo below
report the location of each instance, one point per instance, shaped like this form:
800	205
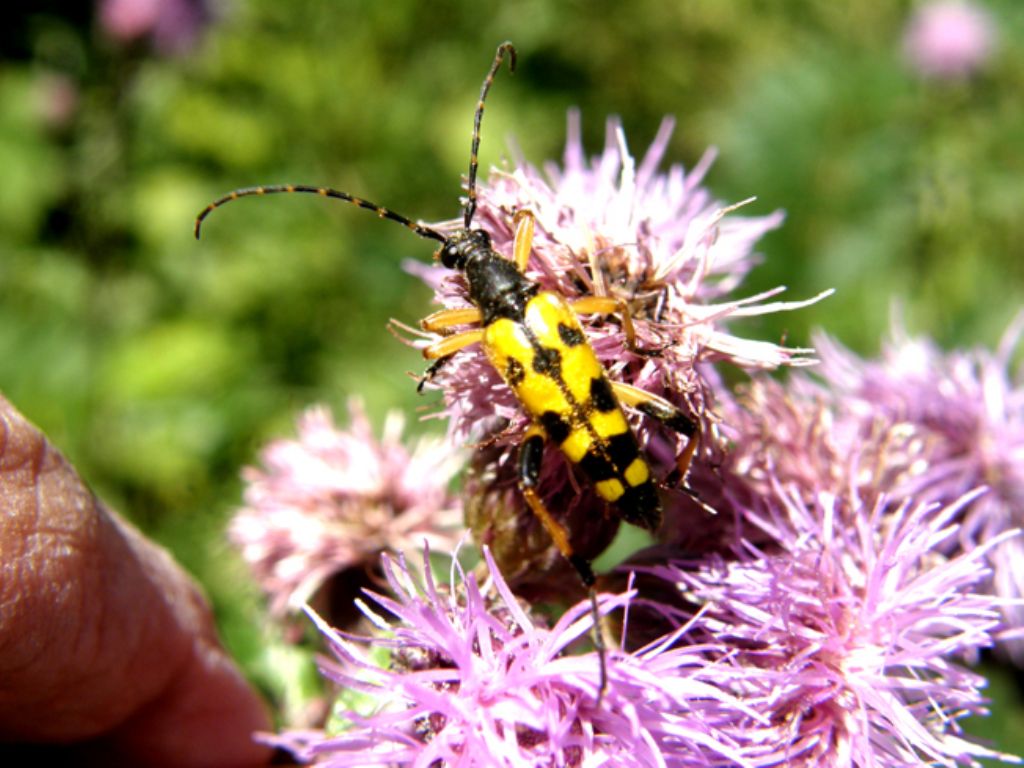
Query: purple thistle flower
851	626
966	404
800	434
658	241
918	423
608	227
822	618
966	414
949	39
333	500
808	437
475	681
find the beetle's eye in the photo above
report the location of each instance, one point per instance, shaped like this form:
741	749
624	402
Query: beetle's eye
449	256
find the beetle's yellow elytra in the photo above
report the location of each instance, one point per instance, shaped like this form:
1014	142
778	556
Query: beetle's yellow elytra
546	360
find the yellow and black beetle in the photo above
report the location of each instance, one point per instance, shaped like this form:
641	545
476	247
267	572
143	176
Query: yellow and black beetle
538	346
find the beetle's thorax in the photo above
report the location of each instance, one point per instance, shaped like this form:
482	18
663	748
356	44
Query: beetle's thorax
495	284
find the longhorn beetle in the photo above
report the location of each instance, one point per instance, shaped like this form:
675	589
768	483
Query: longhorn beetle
538	346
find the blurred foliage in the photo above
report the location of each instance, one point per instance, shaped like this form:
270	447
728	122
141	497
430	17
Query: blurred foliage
160	365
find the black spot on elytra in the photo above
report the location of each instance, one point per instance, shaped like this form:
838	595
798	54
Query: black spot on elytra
514	372
597	467
570	336
641	506
623	449
601	395
547	361
557	428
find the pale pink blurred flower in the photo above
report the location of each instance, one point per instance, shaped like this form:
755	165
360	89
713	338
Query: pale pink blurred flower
852	629
57	99
949	38
172	26
333	500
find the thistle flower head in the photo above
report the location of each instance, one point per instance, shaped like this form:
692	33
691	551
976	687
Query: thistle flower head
609	227
332	500
966	411
612	227
917	423
966	404
852	630
800	434
475	681
809	438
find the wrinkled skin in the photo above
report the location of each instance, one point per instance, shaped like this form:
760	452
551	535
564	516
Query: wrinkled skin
108	653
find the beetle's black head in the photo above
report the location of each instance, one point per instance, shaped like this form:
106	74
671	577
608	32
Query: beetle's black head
458	249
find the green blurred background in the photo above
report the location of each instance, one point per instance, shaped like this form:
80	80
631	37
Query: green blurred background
160	365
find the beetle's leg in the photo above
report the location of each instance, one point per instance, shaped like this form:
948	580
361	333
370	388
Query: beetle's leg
661	409
531	451
429	373
449	345
588	305
524	221
444	319
608	305
611	305
444	348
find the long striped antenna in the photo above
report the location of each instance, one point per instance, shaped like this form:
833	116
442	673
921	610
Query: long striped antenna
381	211
499	56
